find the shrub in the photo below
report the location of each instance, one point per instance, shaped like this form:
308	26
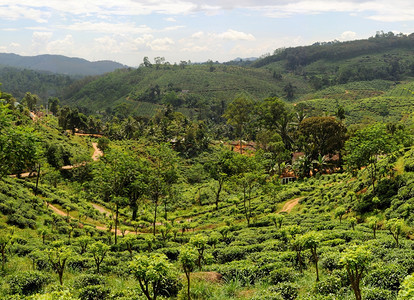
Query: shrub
387	277
268	294
283	274
329	285
243	271
229	254
94	292
170	287
20	221
288	290
407	289
28	282
377	294
171	253
88	280
330	261
79	263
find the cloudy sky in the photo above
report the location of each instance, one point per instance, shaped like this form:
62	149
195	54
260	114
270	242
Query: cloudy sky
196	30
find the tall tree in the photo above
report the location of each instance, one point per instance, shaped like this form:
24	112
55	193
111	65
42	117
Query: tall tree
164	173
187	260
53	104
274	114
114	179
19	147
221	168
322	136
356	260
365	147
152	271
30	101
239	114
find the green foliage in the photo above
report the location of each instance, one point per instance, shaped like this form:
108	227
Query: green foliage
365	146
395	227
152	271
356	260
98	251
388	277
377	294
243	271
58	256
283	274
323	135
94	292
407	290
27	282
18	144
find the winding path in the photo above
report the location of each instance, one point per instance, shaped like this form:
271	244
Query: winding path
95	156
97	152
290	205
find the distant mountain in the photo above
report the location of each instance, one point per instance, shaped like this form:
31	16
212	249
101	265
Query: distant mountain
59	64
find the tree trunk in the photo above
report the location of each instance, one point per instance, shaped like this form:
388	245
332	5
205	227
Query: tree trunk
165	209
188	285
60	273
37	180
134	207
116	222
315	258
3	257
155	216
241	146
218	194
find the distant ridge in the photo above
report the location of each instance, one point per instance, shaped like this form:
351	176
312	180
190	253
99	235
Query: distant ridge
59	64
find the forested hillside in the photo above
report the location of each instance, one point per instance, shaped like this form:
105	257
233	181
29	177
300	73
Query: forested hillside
353	75
179	207
17	82
59	64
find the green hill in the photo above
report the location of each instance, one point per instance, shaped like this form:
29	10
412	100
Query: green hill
18	81
59	64
190	87
356	75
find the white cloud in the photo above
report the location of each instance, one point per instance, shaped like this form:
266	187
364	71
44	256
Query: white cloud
62	46
40	41
106	27
173	28
12	47
163	44
234	35
198	35
97	7
348	35
16	12
107	44
195	49
41	10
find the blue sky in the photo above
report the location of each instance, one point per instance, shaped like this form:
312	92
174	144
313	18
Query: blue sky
127	30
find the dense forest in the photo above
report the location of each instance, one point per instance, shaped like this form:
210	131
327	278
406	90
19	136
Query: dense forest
213	181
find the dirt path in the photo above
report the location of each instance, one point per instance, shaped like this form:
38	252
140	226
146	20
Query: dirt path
58	211
290	205
97	153
90	134
101	209
95	156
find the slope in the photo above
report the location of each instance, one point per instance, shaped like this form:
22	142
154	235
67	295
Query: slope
194	86
59	64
